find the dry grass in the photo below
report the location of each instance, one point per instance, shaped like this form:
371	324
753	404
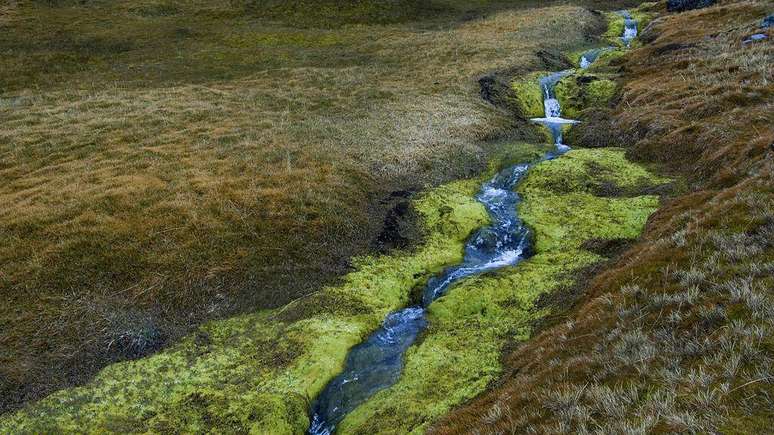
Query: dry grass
164	162
676	335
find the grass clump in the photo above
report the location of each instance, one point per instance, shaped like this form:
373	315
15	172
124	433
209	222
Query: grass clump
460	353
257	372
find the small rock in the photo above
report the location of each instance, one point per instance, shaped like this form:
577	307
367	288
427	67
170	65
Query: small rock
755	38
687	5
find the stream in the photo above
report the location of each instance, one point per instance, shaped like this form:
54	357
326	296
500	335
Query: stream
377	363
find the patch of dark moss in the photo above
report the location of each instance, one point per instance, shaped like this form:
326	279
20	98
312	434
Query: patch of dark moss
400	229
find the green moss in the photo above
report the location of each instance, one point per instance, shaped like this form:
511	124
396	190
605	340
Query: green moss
590	171
600	92
511	153
257	372
615	28
459	354
571	219
602	64
644	14
529	95
563	206
578	92
616	24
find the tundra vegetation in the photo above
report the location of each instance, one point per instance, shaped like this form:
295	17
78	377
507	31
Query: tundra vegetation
675	334
599	331
274	362
165	162
257	372
567	208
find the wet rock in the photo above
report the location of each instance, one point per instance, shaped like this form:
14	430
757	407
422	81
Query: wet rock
486	240
399	229
687	5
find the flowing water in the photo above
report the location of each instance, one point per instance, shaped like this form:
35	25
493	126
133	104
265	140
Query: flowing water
630	28
377	363
553	110
592	55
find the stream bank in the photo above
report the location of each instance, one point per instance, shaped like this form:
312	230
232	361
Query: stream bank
258	372
585	196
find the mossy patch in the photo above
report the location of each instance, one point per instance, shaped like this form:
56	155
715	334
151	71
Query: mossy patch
605	59
593	171
257	372
529	95
562	200
459	354
577	92
617	23
615	28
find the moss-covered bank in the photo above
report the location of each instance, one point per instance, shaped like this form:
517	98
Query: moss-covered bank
257	373
459	354
580	91
529	96
616	23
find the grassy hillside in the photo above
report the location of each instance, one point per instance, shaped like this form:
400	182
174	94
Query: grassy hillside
164	163
675	334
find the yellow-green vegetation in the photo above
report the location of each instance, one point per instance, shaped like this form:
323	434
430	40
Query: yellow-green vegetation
169	162
675	335
615	28
616	23
257	373
529	95
577	92
459	354
587	194
603	61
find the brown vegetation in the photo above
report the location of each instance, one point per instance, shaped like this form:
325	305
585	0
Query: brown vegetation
676	334
167	162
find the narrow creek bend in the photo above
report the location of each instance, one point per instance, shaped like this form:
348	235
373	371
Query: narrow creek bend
377	363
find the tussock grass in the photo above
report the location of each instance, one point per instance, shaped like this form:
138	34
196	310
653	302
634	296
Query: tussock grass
676	335
165	162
